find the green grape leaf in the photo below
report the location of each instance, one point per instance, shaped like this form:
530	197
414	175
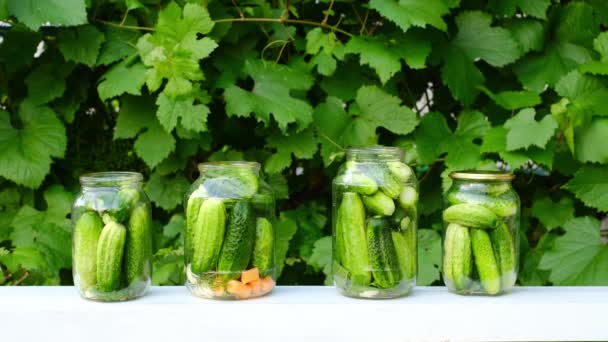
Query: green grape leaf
580	257
173	52
175	228
578	24
29	258
285	230
80	44
530	274
122	79
271	95
47	81
512	100
331	120
552	214
35	13
524	131
321	258
311	219
168	267
193	116
119	44
27	152
385	55
166	191
590	185
381	109
59	204
429	135
326	64
600	44
534	8
377	54
477	39
529	34
591	142
136	114
408	13
302	145
429	257
317	41
31	228
472	124
154	145
461	76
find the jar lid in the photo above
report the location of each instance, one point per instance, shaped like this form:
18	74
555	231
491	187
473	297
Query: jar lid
482	175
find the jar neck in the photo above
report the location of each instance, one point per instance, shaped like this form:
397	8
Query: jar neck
379	153
229	167
111	180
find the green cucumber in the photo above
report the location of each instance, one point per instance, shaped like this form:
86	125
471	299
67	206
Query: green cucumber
357	182
485	261
500	206
138	251
209	230
408	199
86	235
471	215
110	250
406	253
382	254
125	200
263	250
379	204
400	171
351	239
192	209
239	241
504	249
457	256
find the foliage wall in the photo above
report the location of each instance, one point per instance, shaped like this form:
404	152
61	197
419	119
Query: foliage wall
158	86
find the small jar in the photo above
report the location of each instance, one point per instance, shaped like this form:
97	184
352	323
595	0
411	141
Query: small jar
112	239
481	220
230	238
375	215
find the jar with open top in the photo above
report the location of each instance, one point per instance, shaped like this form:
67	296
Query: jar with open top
112	239
481	220
230	237
375	215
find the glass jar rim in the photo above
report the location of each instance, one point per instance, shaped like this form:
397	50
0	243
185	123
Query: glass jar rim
482	175
229	163
115	178
375	151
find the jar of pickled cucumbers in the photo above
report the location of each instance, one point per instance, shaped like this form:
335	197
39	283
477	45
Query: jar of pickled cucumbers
229	240
112	239
481	219
375	199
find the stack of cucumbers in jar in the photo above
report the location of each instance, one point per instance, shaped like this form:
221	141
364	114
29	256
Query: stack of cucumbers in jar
375	229
112	245
230	237
480	239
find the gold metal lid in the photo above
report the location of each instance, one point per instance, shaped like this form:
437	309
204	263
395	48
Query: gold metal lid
482	175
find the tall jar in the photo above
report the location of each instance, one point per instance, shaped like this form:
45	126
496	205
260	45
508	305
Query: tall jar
375	199
230	238
112	239
481	220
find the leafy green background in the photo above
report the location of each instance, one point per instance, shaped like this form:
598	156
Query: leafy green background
157	86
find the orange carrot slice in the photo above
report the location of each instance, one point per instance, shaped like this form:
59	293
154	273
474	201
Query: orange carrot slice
238	289
256	287
267	284
250	275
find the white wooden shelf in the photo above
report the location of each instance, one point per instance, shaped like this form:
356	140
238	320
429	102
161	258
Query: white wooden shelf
305	313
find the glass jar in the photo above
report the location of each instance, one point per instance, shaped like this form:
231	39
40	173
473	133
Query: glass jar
481	221
112	239
230	239
375	215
